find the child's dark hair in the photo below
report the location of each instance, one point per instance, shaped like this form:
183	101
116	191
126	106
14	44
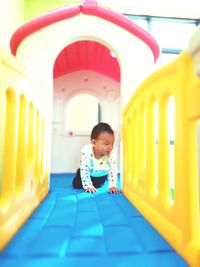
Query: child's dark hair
101	127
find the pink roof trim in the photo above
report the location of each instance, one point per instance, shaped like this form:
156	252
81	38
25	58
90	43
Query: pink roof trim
89	7
40	22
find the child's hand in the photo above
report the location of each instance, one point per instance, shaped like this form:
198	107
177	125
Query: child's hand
114	190
90	189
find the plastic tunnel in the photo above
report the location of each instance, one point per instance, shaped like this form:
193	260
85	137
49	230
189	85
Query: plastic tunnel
43	220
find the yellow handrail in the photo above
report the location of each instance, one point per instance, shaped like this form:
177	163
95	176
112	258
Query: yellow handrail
23	170
148	162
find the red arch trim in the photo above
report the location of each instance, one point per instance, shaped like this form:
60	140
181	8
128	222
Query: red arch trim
89	7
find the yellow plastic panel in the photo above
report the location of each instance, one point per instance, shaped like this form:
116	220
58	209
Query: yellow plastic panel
149	161
23	172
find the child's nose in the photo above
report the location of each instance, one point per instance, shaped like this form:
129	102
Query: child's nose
110	147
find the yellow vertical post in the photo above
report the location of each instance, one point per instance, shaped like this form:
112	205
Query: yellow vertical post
10	145
21	147
163	153
150	139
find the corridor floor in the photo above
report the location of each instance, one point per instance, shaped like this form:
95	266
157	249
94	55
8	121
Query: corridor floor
72	228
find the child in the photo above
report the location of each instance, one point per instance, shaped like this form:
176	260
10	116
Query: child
98	161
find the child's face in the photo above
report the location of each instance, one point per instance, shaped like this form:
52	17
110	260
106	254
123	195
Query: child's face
103	145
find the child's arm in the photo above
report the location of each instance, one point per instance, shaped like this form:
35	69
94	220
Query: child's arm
85	173
112	174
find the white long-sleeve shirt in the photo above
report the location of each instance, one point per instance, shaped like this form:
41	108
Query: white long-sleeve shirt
90	166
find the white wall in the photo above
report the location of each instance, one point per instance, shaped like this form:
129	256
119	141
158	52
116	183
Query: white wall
11	15
194	49
66	148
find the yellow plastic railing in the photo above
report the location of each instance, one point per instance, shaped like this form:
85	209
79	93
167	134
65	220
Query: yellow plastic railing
23	160
153	168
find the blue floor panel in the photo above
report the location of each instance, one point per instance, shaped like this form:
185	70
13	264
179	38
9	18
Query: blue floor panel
72	228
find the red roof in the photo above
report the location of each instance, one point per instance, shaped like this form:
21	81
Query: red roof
89	48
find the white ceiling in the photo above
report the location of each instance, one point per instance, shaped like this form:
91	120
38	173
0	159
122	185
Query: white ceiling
171	8
168	8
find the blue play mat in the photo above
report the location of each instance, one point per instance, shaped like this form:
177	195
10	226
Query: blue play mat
76	229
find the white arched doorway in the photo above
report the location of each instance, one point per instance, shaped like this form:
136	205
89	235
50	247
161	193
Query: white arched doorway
91	94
